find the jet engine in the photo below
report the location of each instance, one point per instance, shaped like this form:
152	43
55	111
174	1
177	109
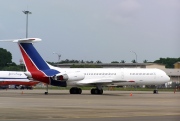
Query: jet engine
69	77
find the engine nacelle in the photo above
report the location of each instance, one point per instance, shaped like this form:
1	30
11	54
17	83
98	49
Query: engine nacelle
69	77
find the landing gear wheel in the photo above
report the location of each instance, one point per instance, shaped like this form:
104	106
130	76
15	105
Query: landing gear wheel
97	91
75	90
79	91
92	91
46	93
100	91
155	91
72	91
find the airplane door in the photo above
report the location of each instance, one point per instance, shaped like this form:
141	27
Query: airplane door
122	75
154	76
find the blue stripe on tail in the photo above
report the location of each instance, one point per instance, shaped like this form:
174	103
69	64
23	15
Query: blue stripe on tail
34	55
38	60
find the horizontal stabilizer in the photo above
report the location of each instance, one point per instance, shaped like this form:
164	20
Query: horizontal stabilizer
25	40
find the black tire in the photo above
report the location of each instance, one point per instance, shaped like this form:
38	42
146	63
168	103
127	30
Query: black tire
92	91
74	90
100	92
22	87
71	91
155	91
96	91
46	93
79	90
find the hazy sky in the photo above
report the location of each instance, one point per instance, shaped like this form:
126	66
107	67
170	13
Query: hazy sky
105	30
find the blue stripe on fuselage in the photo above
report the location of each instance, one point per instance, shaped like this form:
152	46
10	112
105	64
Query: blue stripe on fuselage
38	60
11	78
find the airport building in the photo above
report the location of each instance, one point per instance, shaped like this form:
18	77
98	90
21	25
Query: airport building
177	65
115	65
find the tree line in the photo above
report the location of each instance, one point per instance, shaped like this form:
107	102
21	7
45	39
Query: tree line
168	62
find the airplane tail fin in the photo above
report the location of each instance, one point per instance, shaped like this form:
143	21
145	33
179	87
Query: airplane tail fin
37	68
33	61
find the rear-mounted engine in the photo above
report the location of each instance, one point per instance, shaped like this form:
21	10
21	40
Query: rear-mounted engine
69	77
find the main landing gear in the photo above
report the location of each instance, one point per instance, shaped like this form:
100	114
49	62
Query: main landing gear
75	90
97	91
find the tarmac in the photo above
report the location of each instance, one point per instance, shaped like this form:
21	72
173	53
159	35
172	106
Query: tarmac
33	105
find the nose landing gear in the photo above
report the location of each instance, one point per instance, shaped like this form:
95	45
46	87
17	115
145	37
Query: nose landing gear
156	90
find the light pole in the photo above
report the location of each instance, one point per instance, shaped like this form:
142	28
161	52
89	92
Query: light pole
27	13
135	55
59	56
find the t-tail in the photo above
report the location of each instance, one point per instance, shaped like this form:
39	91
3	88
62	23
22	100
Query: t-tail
37	68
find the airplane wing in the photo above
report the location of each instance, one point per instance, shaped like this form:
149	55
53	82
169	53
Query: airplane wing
98	81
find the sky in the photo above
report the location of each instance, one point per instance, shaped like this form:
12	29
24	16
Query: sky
105	30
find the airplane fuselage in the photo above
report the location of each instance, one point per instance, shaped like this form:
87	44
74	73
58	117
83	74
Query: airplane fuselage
120	77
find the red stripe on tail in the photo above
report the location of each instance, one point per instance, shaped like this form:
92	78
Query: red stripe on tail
36	74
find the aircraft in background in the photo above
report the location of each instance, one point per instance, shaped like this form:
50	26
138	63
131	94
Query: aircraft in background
19	79
40	70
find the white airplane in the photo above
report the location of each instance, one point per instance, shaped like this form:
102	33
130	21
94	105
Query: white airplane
39	70
16	78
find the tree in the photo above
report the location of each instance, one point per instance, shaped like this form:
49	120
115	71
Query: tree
133	61
122	61
5	58
89	62
82	61
13	67
145	61
98	61
114	62
168	62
